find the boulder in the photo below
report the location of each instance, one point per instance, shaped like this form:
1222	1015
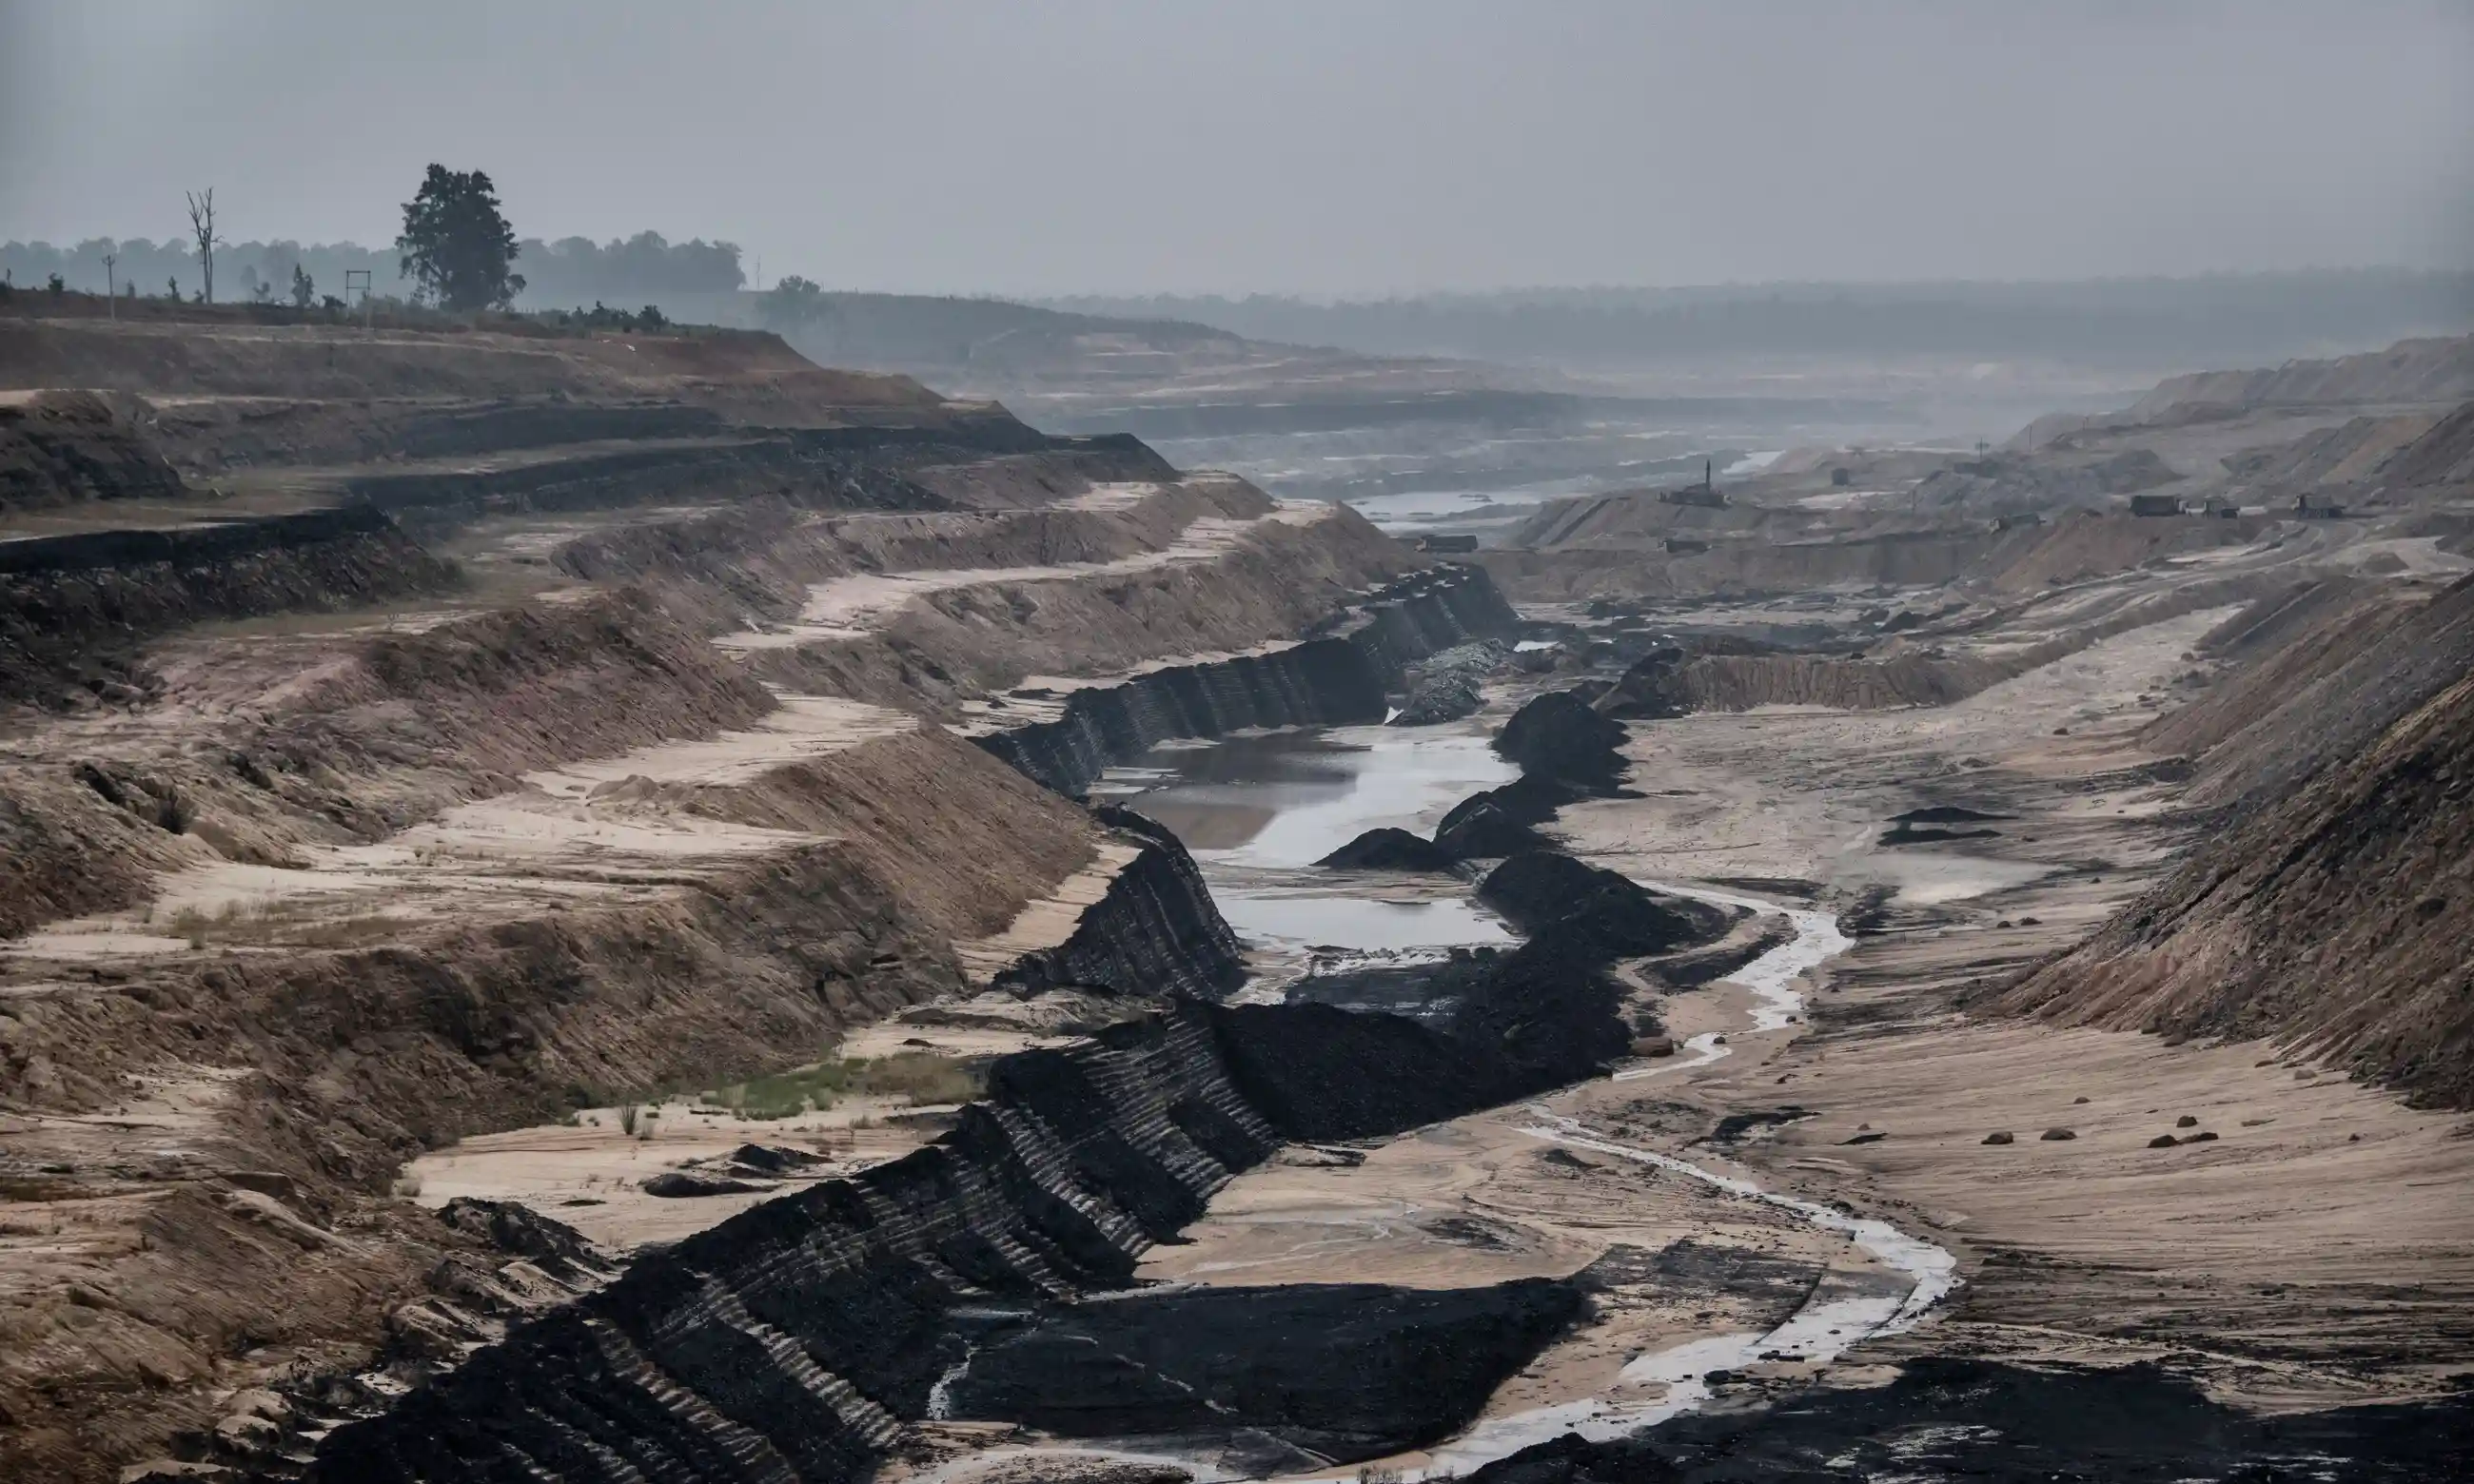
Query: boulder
521	1231
1998	1136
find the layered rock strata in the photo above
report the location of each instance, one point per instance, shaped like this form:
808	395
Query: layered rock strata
73	607
1334	679
1154	932
796	1340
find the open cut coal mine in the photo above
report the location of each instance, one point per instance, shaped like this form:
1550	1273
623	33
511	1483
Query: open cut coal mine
549	928
802	1334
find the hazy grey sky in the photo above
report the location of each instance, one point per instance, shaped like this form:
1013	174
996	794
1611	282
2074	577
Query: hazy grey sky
1325	146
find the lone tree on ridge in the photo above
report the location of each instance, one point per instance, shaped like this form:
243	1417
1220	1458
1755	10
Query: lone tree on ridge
457	243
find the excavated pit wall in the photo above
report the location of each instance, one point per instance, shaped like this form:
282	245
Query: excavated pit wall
1340	679
796	1339
836	468
73	607
1154	932
61	448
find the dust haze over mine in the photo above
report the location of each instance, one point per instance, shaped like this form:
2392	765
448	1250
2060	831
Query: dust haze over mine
1612	744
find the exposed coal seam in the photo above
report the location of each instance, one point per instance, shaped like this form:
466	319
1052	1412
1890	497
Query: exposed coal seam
1156	931
1334	679
1951	1419
792	1340
74	609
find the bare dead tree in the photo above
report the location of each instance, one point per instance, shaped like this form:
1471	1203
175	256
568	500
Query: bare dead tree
201	227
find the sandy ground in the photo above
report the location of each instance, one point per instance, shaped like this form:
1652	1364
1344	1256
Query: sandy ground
2320	1248
590	1175
596	830
587	1171
858	603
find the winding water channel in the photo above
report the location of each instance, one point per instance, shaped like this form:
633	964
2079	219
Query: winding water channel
1258	811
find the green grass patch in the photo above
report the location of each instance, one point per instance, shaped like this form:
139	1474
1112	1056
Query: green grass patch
920	1078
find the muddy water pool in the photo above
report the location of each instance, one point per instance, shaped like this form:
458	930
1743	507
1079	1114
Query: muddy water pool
1259	810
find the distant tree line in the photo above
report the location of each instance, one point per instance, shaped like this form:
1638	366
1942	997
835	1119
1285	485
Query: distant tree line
2221	319
573	271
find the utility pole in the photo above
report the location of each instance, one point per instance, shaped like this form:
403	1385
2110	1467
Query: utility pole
112	284
363	276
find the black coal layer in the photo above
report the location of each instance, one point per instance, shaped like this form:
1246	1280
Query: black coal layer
1156	931
793	1340
1944	1421
1340	679
1343	1370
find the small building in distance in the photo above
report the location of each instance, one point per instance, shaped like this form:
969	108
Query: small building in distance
2155	505
1445	543
2309	508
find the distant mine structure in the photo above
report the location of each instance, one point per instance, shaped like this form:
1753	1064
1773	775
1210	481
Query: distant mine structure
1705	493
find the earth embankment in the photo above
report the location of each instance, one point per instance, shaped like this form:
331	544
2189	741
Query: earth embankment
2330	918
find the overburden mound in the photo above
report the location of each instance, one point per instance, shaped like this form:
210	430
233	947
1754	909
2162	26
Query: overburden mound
1595	912
2338	917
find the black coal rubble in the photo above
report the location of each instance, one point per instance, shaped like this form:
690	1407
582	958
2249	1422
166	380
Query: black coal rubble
1996	1423
1501	1027
1447	686
1558	735
1389	849
1156	931
1597	913
1339	1370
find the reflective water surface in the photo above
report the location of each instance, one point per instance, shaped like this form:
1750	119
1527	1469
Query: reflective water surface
1258	811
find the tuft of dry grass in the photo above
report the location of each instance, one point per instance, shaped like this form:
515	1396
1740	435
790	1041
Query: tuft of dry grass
285	924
